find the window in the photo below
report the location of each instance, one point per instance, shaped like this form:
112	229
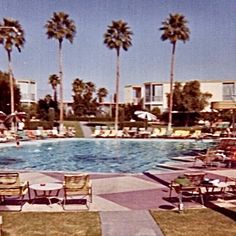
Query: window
228	91
157	93
147	93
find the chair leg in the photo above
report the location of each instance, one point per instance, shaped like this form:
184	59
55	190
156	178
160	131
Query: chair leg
91	196
21	202
181	205
170	192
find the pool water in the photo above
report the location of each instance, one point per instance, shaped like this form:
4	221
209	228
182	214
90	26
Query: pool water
96	155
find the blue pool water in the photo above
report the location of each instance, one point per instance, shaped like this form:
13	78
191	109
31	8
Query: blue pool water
96	155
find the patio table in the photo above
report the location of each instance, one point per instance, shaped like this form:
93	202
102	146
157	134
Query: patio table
215	189
47	191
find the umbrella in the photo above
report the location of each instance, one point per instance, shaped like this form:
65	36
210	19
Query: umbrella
2	115
145	115
14	118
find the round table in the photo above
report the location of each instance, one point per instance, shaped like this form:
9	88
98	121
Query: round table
46	190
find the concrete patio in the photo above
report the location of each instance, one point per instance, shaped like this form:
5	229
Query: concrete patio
121	199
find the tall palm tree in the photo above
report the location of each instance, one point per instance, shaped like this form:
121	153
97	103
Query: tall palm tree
60	27
174	28
117	36
54	81
11	35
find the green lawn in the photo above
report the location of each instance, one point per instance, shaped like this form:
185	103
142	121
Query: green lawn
192	222
51	223
195	222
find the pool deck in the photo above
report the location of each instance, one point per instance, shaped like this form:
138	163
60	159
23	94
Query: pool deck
119	191
122	200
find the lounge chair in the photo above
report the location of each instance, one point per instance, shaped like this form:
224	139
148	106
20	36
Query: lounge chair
77	185
105	133
196	134
113	133
163	132
30	134
9	135
119	134
96	132
155	133
211	157
10	186
127	133
188	185
143	133
180	134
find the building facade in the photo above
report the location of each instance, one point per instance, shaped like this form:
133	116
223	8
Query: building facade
28	90
154	94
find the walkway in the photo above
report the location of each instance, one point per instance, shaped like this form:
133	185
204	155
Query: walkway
85	129
128	223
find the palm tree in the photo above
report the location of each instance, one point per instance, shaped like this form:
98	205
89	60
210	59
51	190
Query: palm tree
78	86
101	94
60	27
117	36
11	35
174	28
54	81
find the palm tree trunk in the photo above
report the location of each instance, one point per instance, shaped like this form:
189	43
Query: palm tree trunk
117	89
11	86
171	88
55	94
61	85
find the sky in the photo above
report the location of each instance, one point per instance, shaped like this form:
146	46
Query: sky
210	54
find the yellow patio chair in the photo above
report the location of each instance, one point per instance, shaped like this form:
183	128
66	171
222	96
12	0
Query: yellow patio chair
196	134
155	133
11	186
77	185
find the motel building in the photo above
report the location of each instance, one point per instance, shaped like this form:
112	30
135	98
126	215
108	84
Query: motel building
154	94
28	90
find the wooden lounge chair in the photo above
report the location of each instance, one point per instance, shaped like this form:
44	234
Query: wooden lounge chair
10	186
77	185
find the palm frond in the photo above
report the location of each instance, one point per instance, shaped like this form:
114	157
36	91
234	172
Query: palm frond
118	35
60	27
12	34
174	28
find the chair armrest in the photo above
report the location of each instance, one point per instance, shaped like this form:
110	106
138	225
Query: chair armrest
90	184
24	186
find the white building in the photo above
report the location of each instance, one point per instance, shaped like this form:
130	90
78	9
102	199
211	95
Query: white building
28	90
154	94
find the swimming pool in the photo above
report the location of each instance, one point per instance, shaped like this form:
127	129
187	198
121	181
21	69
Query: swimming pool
96	155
